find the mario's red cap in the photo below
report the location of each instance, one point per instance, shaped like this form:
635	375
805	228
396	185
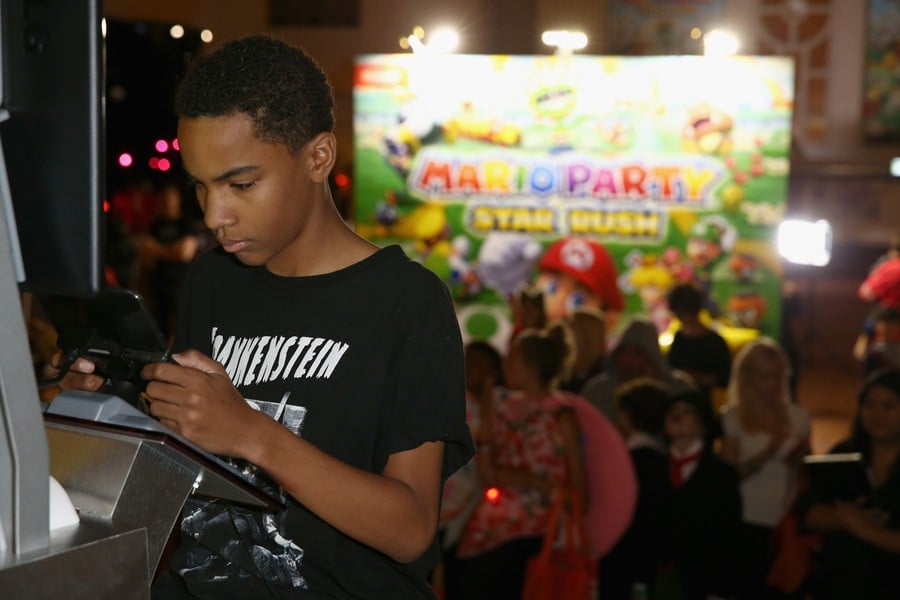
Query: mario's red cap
590	264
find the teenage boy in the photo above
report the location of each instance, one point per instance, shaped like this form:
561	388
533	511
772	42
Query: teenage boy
328	365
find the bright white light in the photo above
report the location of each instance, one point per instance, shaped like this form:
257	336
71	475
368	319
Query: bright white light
176	31
666	338
415	43
206	36
895	166
565	41
805	242
103	27
443	40
720	43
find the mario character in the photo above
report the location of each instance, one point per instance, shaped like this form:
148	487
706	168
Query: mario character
652	281
710	239
463	279
553	105
415	127
744	266
708	131
576	272
506	260
472	125
746	309
554	102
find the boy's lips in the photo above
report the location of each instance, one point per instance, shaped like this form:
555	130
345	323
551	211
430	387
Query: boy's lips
233	245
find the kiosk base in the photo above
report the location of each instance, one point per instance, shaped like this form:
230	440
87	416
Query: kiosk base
93	560
120	466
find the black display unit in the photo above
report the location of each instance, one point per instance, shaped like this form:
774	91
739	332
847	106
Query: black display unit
53	140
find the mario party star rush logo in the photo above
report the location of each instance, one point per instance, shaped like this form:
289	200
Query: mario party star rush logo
573	193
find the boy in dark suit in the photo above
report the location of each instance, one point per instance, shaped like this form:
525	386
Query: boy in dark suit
637	557
706	503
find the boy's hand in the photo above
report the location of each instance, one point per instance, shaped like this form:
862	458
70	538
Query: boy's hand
196	398
79	376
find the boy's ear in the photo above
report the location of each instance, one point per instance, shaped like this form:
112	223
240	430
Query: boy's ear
322	155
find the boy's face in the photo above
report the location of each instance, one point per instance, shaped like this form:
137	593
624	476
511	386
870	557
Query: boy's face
255	196
682	421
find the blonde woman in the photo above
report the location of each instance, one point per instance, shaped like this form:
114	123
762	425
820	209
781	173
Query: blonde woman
588	328
765	436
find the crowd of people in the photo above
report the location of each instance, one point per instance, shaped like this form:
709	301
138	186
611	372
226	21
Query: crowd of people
717	442
154	232
721	505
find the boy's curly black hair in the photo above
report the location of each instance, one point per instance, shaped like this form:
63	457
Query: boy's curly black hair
280	87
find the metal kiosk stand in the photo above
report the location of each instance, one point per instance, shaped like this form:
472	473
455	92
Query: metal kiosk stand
127	475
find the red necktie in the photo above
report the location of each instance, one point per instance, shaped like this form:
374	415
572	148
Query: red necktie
676	467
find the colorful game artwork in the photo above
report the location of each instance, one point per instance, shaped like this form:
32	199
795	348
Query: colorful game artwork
603	180
881	108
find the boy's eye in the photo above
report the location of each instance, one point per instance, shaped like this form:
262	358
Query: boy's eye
243	186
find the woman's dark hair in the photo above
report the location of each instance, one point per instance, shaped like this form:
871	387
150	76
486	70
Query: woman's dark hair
281	88
888	378
530	295
686	298
489	352
645	400
548	350
530	301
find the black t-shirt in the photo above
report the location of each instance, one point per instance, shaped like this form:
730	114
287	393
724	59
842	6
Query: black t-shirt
363	363
707	353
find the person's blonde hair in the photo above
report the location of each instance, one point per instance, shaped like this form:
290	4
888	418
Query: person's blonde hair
762	348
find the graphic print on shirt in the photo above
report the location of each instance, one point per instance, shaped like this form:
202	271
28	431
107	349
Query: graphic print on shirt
237	542
266	358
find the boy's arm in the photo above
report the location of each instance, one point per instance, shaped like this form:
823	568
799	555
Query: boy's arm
395	512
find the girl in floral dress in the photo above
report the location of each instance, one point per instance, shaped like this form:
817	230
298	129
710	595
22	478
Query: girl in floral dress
529	449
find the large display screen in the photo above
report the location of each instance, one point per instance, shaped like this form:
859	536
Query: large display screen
602	180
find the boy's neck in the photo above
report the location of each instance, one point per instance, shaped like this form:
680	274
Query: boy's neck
682	445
